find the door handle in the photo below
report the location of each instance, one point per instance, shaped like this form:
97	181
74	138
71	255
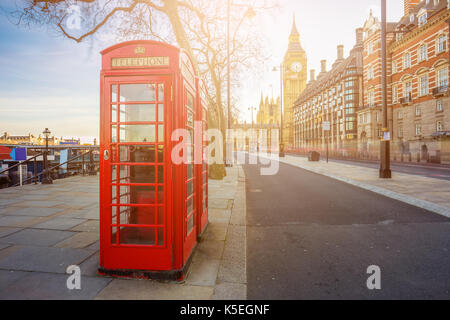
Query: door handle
106	155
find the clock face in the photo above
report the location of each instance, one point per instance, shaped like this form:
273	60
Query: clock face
296	67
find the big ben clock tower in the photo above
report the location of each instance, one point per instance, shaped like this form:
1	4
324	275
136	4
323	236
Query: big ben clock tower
294	82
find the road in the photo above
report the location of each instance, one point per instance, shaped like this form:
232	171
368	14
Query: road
428	170
312	237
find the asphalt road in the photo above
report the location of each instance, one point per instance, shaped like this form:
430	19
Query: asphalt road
428	170
312	237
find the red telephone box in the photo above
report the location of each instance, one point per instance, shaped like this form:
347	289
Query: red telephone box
149	206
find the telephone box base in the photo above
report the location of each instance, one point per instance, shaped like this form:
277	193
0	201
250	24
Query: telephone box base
173	275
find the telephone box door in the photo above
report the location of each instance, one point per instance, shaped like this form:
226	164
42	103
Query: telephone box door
135	177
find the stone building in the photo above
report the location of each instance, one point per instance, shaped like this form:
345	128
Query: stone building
268	112
294	76
333	97
418	102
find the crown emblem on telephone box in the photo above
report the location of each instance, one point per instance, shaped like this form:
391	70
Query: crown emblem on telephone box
139	50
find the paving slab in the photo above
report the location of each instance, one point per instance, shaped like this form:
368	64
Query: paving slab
7	202
35	237
203	271
34	212
13	221
120	289
79	240
90	266
44	259
59	223
4	231
88	226
39	204
4	245
45	286
90	214
94	247
8	277
230	291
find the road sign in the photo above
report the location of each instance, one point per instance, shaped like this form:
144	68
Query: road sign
326	126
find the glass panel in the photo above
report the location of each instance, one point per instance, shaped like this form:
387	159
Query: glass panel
136	153
114	133
160	216
137	133
161	92
160	236
137	112
160	195
161	133
189	188
189	206
113	113
137	235
113	193
137	174
113	235
204	205
190	171
137	92
160	174
114	93
160	154
190	224
160	112
113	174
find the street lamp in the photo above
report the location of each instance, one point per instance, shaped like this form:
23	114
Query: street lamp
385	170
281	69
46	179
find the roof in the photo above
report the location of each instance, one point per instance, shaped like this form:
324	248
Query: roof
314	87
430	8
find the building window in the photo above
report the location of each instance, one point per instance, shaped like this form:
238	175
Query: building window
400	132
394	67
371	99
418	111
371	73
418	129
407	88
370	48
400	114
442	78
394	94
407	61
441	43
423	19
379	132
439	106
439	126
423	53
423	83
376	116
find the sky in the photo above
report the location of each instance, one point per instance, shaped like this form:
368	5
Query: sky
49	81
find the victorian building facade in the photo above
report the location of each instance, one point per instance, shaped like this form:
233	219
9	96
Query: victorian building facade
333	98
418	103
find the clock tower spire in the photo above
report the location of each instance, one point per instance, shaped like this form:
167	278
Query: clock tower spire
294	81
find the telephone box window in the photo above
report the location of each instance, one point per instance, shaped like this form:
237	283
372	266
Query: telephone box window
137	112
137	92
137	133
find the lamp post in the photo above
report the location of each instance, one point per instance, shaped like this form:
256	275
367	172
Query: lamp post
281	69
46	179
385	170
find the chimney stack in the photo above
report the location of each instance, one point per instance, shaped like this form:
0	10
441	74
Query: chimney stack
312	75
340	52
323	65
409	5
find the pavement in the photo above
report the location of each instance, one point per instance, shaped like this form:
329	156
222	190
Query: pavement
424	192
46	228
312	235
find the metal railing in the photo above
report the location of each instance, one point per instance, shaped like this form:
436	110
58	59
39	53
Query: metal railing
35	177
440	90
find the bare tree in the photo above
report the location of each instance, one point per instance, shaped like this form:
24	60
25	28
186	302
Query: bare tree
198	26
